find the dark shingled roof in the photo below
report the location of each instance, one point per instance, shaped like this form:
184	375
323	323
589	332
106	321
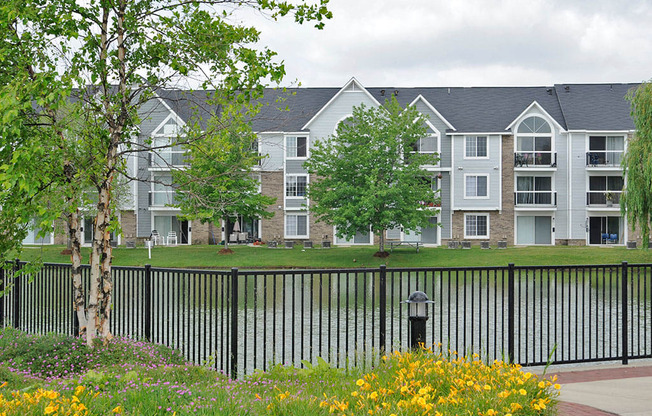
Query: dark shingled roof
474	109
596	106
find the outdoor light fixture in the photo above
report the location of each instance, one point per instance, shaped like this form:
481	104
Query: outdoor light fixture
417	315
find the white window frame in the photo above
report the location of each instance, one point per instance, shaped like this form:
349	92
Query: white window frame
296	215
466	138
169	190
466	196
296	147
295	176
476	214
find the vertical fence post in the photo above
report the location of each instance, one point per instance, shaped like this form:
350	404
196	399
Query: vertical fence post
2	296
234	323
16	293
510	313
147	293
623	285
382	300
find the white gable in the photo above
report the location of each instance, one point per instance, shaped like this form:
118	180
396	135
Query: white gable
532	109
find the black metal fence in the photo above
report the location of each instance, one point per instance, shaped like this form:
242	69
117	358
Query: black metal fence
239	321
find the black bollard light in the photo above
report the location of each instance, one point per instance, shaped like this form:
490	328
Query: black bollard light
418	315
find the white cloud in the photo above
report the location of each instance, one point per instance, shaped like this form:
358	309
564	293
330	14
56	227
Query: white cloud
468	42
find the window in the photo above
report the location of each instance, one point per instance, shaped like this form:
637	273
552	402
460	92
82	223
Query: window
476	186
534	190
605	150
166	153
295	185
476	146
296	146
534	143
426	145
296	225
476	225
163	192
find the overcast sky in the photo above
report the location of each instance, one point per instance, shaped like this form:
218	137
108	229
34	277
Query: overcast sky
468	43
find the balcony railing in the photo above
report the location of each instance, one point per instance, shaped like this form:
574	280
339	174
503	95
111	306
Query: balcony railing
604	158
162	198
535	159
603	198
167	159
545	198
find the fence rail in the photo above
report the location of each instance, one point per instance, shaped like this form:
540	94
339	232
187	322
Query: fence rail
245	320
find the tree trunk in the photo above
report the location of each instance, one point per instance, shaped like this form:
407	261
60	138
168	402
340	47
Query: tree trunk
381	242
226	233
74	237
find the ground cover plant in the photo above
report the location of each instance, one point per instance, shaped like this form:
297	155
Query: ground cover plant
261	257
53	374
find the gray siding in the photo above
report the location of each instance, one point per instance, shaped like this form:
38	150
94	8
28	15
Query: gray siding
273	146
293	167
325	124
295	203
445	214
561	186
152	114
577	194
444	140
143	217
477	167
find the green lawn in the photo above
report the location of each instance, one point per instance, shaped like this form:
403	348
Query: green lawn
345	257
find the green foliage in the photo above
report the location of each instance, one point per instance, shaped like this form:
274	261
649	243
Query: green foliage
219	183
369	176
636	199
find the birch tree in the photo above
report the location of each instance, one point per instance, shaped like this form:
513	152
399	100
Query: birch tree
109	57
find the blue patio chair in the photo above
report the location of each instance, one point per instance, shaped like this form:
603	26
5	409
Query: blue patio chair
613	238
605	237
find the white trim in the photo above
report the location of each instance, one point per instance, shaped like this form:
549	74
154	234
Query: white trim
338	123
526	112
605	132
296	214
476	157
341	91
476	175
478	133
287	175
477	214
433	109
180	124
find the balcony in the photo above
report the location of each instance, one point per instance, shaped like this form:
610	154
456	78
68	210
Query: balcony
535	198
538	159
601	158
162	198
167	160
603	198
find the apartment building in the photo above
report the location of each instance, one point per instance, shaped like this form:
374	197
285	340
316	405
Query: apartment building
525	165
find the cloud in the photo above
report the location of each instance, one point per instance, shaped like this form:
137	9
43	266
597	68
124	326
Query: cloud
468	42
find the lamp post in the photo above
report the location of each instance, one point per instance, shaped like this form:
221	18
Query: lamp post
418	315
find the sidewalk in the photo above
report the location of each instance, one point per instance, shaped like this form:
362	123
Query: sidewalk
604	388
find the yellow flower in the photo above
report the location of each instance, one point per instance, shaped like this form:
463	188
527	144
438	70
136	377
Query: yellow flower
523	392
117	409
51	409
360	382
79	390
4	384
557	386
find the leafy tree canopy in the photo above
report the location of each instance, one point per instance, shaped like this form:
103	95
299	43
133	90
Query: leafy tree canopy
368	175
636	199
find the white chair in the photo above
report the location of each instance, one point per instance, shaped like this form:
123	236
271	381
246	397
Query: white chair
233	238
172	238
157	239
242	237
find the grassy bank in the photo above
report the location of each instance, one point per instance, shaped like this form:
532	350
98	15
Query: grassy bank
59	375
344	257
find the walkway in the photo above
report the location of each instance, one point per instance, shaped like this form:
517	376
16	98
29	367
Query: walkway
604	389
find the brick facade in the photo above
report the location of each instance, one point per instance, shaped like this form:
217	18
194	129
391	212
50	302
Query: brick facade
502	224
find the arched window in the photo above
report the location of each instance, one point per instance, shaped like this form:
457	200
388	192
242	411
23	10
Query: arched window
534	143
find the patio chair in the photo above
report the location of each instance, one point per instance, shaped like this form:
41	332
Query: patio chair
156	238
605	238
243	237
233	238
613	238
172	238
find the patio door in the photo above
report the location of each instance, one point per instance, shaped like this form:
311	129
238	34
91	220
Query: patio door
166	223
533	230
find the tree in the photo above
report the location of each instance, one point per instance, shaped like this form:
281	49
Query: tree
636	199
218	182
109	57
368	176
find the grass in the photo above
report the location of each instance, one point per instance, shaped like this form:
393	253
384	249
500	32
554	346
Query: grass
246	257
133	378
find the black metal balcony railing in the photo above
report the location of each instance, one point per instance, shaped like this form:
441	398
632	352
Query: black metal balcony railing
167	159
535	198
604	158
604	198
535	159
